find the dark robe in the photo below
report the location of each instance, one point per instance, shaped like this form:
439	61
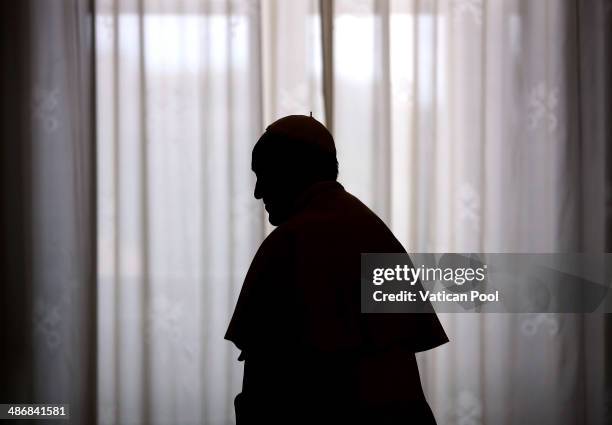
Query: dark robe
310	355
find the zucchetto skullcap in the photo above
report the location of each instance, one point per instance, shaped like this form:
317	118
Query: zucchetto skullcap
304	129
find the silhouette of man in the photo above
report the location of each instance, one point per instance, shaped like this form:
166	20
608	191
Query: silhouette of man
309	355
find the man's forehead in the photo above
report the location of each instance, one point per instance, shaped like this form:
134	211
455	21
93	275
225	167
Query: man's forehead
258	160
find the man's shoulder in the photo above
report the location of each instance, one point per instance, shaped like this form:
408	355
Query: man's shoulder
338	206
341	220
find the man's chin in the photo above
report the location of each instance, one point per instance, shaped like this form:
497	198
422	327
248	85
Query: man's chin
276	219
273	220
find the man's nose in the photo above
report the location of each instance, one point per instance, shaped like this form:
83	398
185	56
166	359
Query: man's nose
258	194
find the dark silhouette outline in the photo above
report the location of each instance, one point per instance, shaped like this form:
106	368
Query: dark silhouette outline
310	356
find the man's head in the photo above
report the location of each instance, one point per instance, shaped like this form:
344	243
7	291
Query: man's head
293	153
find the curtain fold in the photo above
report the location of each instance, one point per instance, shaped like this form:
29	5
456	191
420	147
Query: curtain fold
48	286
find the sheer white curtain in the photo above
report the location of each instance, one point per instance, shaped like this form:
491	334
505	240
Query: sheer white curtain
47	206
461	122
471	113
178	112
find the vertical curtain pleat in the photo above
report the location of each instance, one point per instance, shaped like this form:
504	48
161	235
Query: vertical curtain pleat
49	306
16	303
326	8
381	149
145	205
